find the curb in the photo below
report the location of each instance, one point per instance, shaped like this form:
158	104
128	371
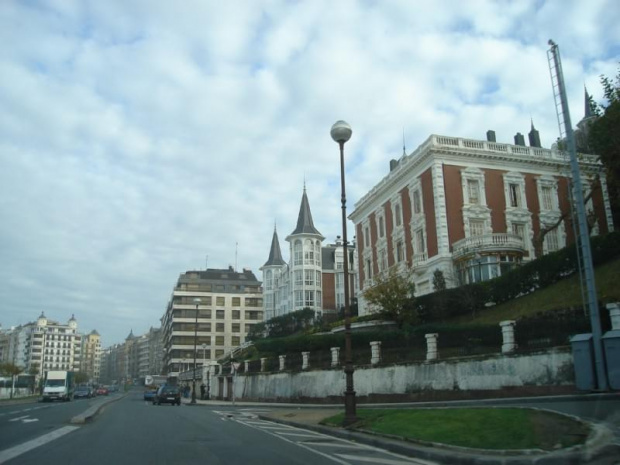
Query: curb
598	446
94	410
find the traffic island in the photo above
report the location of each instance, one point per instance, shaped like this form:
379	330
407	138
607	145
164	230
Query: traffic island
468	436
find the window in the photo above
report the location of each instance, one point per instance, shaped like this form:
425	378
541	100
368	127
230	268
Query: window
309	277
236	314
252	315
318	279
547	198
219	314
417	203
253	302
298	260
299	278
368	269
381	227
476	228
519	230
309	300
220	301
473	191
397	215
219	340
515	195
309	253
551	240
367	236
400	253
219	327
383	260
236	341
317	253
236	301
419	241
236	327
299	299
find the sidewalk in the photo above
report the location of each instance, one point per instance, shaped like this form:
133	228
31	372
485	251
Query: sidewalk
599	449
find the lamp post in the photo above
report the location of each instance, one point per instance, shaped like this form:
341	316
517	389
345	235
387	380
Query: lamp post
197	302
341	133
204	364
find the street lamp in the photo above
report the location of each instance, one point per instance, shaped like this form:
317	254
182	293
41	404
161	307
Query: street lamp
341	133
197	302
204	364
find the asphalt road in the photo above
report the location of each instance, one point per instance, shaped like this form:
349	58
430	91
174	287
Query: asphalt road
132	431
23	422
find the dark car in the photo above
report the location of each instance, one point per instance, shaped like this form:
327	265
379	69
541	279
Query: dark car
83	392
167	395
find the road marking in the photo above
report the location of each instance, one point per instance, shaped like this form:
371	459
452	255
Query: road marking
20	449
29	420
19	418
379	460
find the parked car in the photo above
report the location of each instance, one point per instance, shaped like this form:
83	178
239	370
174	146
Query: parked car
167	395
102	391
83	392
150	392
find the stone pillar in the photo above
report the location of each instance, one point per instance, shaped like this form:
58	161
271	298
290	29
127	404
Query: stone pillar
305	356
335	356
431	346
246	366
508	336
263	363
614	314
282	362
375	349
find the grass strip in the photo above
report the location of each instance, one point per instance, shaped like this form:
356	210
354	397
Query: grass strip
480	428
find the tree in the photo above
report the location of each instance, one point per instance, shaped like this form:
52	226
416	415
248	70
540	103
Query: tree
392	296
604	138
12	370
80	377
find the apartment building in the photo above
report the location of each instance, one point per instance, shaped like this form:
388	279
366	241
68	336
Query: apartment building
91	356
211	310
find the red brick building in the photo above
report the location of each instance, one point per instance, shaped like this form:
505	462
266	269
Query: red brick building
470	208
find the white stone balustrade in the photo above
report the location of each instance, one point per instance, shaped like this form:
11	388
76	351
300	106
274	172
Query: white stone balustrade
431	346
335	356
246	366
305	360
375	349
614	314
263	363
508	336
282	362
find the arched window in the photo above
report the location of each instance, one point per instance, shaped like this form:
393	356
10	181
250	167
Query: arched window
298	251
308	253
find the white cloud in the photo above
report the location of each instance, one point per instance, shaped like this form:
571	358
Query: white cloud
138	138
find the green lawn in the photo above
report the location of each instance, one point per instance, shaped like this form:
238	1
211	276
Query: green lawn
560	295
480	428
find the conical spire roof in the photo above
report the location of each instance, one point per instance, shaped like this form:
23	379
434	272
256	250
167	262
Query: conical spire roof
588	108
304	220
275	254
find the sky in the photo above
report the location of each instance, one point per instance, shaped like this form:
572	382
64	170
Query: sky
142	139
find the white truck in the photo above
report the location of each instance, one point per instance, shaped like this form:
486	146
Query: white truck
58	385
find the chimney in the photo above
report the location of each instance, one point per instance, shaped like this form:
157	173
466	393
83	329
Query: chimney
519	139
491	136
393	164
534	137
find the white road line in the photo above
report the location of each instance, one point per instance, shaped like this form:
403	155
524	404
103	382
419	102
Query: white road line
381	461
286	433
19	418
334	444
20	449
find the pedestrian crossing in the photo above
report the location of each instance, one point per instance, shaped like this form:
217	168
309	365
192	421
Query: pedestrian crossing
338	450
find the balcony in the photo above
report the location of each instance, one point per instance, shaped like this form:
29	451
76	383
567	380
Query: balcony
497	242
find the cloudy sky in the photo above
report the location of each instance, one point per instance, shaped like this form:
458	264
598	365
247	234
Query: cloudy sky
141	139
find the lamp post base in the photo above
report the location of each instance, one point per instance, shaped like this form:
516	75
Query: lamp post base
350	416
